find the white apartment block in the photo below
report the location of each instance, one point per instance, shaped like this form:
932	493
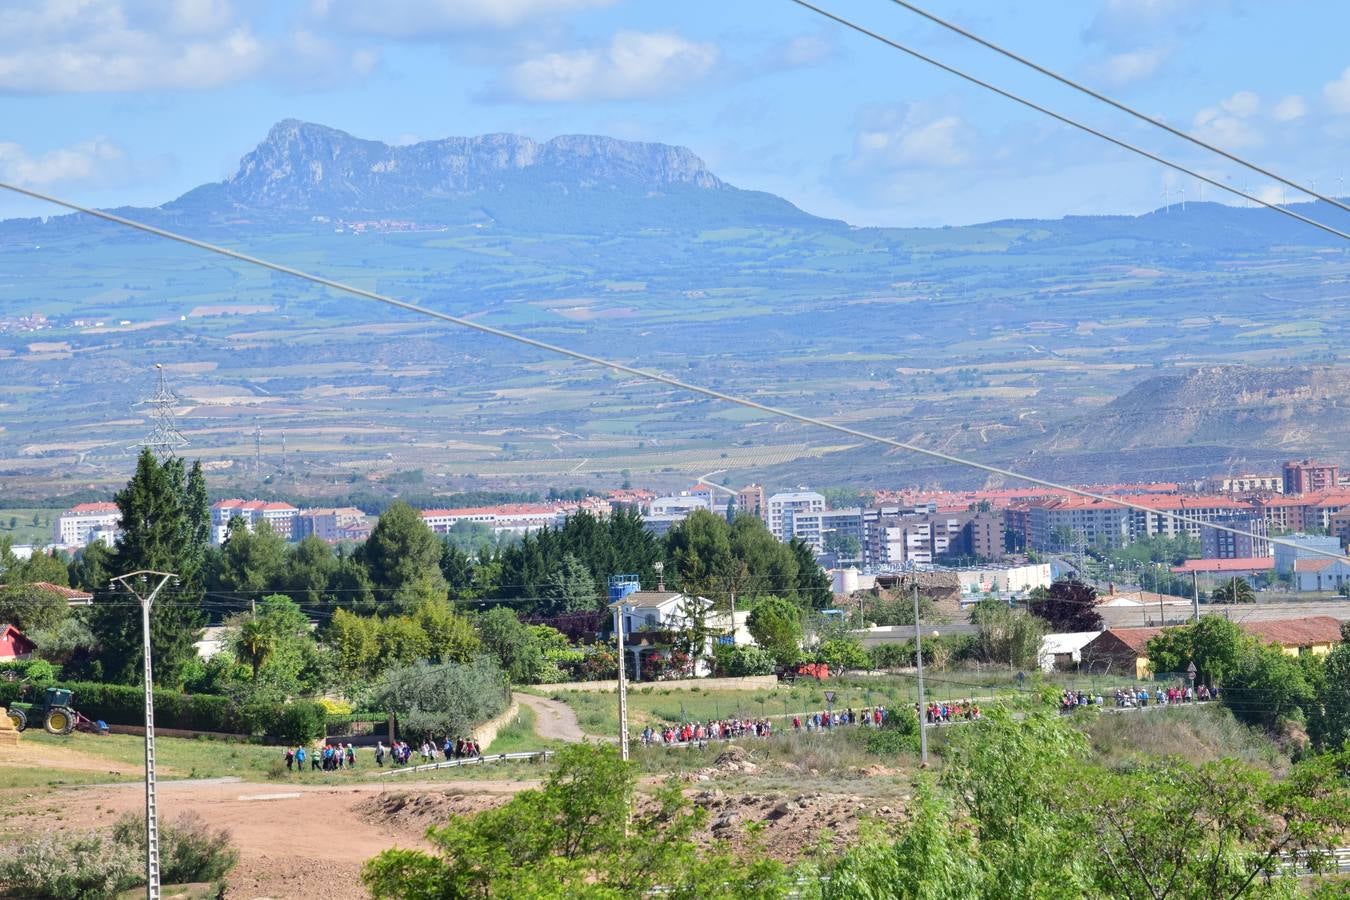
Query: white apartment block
345	523
513	518
782	508
87	522
280	516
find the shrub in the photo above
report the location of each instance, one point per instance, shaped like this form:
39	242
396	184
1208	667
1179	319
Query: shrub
740	661
335	707
92	864
38	671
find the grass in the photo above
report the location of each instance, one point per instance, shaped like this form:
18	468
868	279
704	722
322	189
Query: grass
1197	734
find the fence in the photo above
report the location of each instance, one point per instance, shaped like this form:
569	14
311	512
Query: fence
531	755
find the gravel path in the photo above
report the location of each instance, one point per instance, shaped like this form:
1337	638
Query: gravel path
553	719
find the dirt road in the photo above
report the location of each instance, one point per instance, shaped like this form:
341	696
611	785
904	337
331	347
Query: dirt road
553	719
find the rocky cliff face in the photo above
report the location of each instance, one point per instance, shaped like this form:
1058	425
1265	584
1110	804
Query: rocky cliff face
301	166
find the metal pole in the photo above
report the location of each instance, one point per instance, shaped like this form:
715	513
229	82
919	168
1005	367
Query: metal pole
151	812
623	685
918	656
1195	596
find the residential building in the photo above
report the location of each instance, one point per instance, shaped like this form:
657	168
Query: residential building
1321	574
750	499
279	516
1293	547
1124	651
1245	541
1339	525
1309	476
814	527
1004	579
1063	652
332	525
924	538
650	620
86	522
1246	484
1105	523
679	504
784	506
14	644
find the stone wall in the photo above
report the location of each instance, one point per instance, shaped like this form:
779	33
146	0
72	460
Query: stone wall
748	683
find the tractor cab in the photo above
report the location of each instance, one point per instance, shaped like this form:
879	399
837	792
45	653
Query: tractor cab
57	697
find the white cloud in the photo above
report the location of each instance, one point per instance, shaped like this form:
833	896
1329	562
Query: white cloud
635	64
94	162
1231	123
1131	66
800	51
1337	93
911	137
1290	108
1125	23
414	19
107	45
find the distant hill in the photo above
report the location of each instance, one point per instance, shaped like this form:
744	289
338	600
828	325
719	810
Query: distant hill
1300	407
569	183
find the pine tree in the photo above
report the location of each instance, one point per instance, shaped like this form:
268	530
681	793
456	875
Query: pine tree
155	535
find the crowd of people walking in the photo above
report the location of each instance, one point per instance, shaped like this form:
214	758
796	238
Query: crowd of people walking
338	756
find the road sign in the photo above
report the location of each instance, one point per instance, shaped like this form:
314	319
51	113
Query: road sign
829	696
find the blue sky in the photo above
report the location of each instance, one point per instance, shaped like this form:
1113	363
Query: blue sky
136	101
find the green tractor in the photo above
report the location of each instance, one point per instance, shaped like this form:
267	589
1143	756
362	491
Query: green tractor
58	717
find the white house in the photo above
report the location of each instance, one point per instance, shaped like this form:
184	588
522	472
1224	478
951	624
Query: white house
649	619
1063	650
1322	574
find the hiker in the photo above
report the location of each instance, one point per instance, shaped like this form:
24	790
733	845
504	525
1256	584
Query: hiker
300	758
351	756
290	758
379	754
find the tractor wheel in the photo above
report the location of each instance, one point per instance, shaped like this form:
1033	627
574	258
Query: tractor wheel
59	721
19	718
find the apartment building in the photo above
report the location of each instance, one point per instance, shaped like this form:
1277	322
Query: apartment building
784	506
87	522
750	499
1103	522
279	516
1245	484
1309	476
814	527
1246	541
333	525
926	538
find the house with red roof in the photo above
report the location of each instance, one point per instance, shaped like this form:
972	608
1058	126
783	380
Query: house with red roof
14	644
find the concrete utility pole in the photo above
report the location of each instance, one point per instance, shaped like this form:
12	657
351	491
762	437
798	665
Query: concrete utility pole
1195	595
923	707
130	582
623	685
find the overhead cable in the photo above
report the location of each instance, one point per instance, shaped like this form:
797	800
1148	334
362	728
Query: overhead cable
1120	105
1081	126
643	373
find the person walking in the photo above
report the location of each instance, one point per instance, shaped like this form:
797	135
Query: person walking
290	758
300	758
379	754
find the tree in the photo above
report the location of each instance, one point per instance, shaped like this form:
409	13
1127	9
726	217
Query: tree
250	562
1234	590
1267	687
1068	606
813	585
582	835
450	636
310	570
1329	726
843	546
776	625
698	552
50	567
89	569
571	588
439	701
1009	637
254	644
31	608
1216	646
154	536
402	550
506	638
843	654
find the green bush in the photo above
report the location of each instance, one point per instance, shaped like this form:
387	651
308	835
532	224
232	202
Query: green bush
900	734
741	661
87	865
119	704
36	670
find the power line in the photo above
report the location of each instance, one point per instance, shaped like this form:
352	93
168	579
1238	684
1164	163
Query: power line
642	373
1081	126
1123	107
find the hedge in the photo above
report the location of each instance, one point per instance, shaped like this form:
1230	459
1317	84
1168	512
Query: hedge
118	704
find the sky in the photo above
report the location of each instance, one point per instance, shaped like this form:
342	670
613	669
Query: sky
115	102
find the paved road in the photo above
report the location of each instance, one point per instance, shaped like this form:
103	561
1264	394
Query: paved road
553	719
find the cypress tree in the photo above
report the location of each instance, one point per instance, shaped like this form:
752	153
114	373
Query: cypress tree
157	535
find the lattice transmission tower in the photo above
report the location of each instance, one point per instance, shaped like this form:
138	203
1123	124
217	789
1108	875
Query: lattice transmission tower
164	438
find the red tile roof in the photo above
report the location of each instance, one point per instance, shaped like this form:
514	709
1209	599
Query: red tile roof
1299	632
61	591
87	508
1241	564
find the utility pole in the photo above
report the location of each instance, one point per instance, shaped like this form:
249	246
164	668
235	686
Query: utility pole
257	450
923	707
129	581
1195	595
623	684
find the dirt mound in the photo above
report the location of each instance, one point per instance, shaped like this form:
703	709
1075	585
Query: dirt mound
789	826
417	811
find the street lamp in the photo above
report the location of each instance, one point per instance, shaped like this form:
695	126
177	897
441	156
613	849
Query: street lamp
130	581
